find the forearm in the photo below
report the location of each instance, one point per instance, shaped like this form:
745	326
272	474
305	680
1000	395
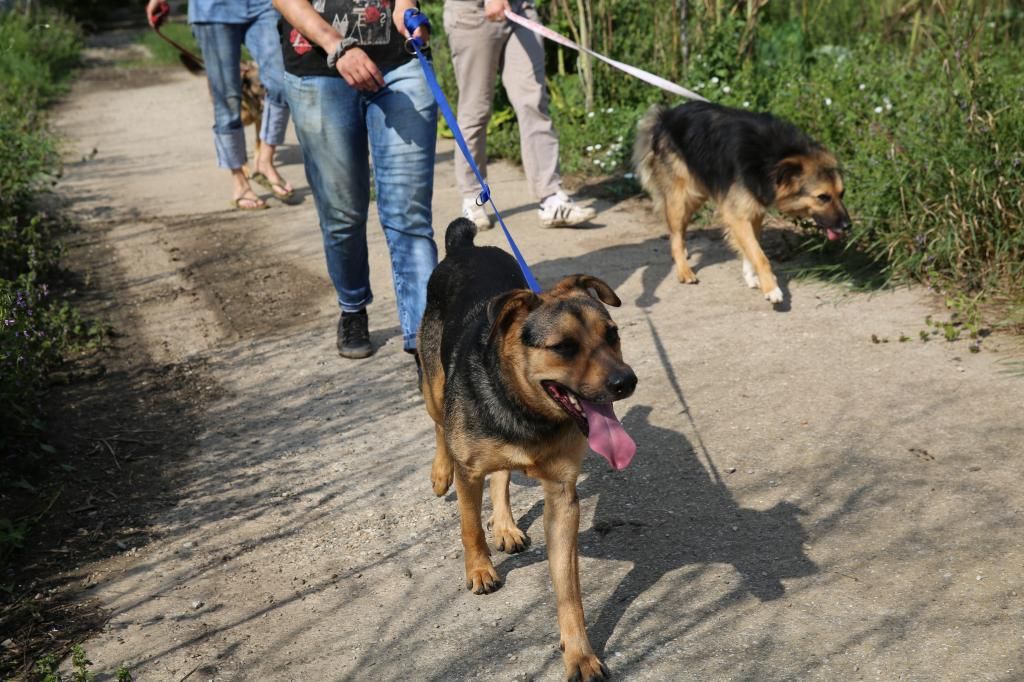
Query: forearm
301	15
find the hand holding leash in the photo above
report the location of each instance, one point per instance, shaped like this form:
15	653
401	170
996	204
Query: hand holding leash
417	28
157	12
495	10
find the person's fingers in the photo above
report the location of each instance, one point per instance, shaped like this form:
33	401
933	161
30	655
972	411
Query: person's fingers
375	77
360	72
347	75
369	79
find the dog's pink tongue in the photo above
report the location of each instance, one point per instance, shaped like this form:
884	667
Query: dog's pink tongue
832	234
607	437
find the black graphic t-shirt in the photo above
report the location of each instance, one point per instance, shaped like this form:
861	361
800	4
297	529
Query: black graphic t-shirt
368	24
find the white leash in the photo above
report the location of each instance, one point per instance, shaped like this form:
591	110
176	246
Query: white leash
645	76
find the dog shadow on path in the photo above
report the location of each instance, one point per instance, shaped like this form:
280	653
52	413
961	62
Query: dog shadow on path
668	511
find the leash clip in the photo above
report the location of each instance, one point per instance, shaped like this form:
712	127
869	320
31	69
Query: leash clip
484	196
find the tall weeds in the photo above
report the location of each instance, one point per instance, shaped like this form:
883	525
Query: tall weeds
37	326
920	99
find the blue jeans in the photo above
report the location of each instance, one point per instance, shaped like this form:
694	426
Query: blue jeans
339	128
222	51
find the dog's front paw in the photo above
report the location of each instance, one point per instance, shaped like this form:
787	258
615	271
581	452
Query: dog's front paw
687	277
774	296
511	540
482	580
442	473
585	668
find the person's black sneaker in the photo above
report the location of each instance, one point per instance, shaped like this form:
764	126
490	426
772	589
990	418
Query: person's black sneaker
354	335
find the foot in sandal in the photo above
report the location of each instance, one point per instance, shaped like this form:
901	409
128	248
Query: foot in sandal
264	173
248	201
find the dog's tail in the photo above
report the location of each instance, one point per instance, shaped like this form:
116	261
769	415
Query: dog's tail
645	149
459	235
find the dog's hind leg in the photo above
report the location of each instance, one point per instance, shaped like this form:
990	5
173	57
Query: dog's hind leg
443	469
432	388
507	535
743	235
679	208
481	578
561	531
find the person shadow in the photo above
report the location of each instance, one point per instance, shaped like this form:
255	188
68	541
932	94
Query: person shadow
668	511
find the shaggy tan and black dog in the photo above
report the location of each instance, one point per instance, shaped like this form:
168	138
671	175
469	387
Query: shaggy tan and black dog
747	163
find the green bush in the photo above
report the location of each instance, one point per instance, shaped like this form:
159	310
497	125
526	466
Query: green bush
919	101
37	51
38	328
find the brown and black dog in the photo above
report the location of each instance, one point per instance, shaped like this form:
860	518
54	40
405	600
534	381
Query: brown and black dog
521	381
253	93
747	162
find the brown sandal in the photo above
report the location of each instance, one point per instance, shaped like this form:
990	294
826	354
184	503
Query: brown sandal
256	204
283	194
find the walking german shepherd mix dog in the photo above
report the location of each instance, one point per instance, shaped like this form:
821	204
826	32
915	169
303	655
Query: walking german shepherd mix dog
747	162
516	380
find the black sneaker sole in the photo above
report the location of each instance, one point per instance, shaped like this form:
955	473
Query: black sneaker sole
355	353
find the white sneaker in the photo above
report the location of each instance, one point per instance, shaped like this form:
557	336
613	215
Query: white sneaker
558	210
475	213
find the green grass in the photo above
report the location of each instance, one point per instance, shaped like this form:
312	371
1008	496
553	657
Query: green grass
919	101
38	327
161	52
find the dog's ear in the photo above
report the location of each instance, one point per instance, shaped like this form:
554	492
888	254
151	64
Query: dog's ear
788	170
588	283
502	310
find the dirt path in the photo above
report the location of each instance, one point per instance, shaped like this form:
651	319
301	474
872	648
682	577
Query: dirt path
805	504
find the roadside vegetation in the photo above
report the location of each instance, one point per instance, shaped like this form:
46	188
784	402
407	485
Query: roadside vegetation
919	100
39	329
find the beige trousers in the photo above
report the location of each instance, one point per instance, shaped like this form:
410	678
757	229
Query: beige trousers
479	48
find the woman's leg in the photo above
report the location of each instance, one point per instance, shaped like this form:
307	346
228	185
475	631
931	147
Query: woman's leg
523	78
222	47
328	118
402	122
476	45
263	41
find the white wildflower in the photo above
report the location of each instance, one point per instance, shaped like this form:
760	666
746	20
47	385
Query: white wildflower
878	110
590	114
609	110
726	89
828	101
746	104
714	79
590	148
861	86
597	147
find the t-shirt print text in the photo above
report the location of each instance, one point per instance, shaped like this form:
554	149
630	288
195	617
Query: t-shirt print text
367	21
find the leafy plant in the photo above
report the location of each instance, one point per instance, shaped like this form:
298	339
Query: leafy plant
38	327
919	101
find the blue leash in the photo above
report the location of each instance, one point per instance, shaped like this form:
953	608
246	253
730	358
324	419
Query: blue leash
413	20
